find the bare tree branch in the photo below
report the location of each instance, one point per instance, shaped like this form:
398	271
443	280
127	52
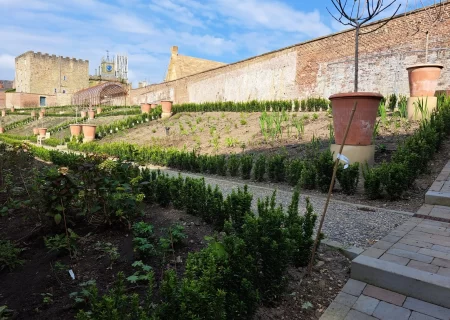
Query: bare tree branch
384	23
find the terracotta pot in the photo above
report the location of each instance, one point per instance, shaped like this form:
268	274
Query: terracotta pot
89	132
99	110
91	114
3	113
361	129
423	79
41	114
75	130
35	131
12	109
42	131
153	105
2	130
145	107
83	114
166	106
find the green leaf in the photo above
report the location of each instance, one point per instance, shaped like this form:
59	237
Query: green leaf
307	305
57	218
133	279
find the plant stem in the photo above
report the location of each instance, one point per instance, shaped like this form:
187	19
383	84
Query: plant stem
356	56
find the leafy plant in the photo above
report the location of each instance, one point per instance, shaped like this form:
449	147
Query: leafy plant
62	242
324	169
348	178
9	256
308	176
108	249
144	272
143	238
259	170
246	166
372	183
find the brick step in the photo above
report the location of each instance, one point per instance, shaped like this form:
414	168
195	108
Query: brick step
438	198
422	285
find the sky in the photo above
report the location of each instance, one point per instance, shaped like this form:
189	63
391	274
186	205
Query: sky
145	30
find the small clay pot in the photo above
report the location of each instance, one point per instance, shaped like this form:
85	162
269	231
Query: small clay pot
33	114
2	130
42	131
153	106
12	109
3	113
35	131
83	114
99	110
89	132
91	114
75	130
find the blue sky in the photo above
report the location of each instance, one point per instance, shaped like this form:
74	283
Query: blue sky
221	30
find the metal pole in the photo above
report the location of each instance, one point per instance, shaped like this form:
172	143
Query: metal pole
336	163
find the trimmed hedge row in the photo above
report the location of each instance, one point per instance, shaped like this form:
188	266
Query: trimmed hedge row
309	104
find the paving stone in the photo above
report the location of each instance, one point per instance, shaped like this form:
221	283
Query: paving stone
416	243
420	316
395	259
385	295
373	252
335	311
442	212
426	208
398	233
432	230
437	247
384	245
412	255
392	239
427	308
406	247
444	271
356	315
387	311
345	299
441	262
433	253
366	304
423	266
354	287
436	186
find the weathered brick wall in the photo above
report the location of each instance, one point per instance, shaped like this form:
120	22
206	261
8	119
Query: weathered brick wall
320	67
48	74
2	99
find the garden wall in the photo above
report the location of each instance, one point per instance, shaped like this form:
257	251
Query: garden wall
319	67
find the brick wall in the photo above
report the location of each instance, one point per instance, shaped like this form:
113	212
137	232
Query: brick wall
320	67
28	100
2	99
48	74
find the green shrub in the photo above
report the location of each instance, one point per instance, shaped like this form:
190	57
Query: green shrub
233	165
275	168
221	163
246	166
9	256
324	167
293	171
348	178
394	179
237	205
259	170
372	183
308	176
143	239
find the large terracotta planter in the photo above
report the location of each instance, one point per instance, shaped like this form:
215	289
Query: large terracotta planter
12	109
153	106
42	131
2	130
145	107
423	79
75	130
41	114
3	113
99	110
33	114
89	132
35	131
91	114
83	114
166	106
361	129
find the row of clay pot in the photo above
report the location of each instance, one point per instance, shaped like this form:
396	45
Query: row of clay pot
165	104
87	129
90	113
40	131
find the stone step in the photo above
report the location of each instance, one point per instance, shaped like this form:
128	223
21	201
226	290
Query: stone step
437	198
405	280
434	211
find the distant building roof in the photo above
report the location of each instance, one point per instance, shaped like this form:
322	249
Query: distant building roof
182	66
6	84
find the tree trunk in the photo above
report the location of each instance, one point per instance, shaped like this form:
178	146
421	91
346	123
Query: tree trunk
356	57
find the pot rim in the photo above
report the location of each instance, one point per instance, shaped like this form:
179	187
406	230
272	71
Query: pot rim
373	95
42	128
75	124
166	101
425	65
88	125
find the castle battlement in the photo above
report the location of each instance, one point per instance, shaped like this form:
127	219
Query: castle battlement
40	55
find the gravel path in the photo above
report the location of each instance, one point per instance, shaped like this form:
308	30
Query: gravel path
349	224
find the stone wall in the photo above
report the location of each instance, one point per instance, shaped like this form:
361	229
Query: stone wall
2	99
48	74
319	67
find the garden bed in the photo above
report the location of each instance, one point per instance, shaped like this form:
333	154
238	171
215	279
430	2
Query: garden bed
40	286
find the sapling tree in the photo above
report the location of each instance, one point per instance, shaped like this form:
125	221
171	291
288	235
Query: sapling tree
356	13
433	14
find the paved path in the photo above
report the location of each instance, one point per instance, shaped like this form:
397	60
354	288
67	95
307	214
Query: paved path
410	265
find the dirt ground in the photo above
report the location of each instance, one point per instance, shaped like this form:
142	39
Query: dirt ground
233	132
46	122
10	119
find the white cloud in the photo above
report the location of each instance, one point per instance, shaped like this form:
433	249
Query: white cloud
7	62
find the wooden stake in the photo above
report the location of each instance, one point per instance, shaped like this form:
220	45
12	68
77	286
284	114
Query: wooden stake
333	178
